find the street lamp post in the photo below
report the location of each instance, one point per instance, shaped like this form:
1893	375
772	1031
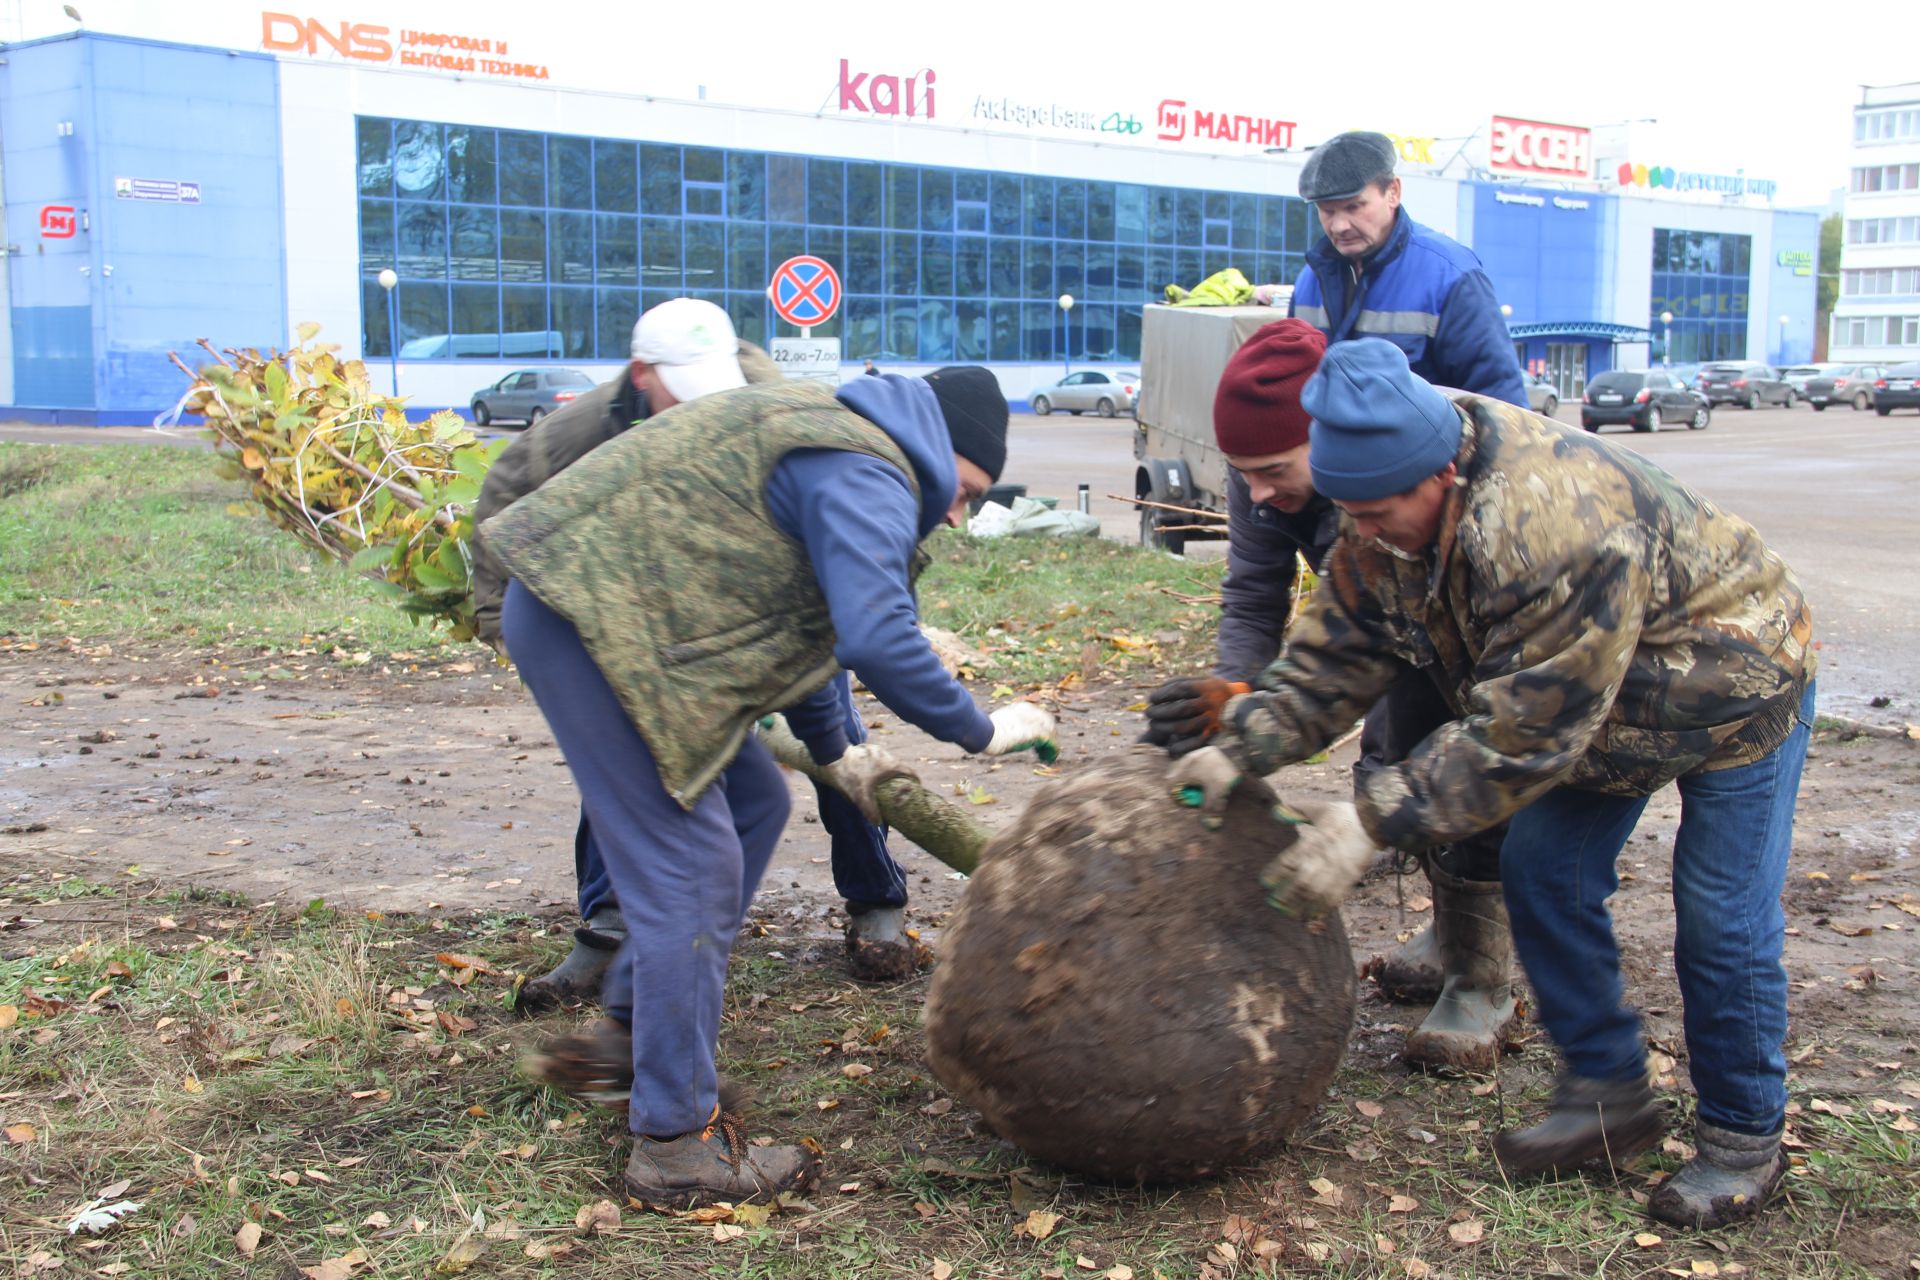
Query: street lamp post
388	278
1666	347
1066	332
1783	338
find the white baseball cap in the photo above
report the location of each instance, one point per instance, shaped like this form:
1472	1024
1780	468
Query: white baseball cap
691	346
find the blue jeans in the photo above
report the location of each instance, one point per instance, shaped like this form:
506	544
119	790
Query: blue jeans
863	871
1729	867
683	878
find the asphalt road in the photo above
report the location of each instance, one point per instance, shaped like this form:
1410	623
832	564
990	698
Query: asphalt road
1836	493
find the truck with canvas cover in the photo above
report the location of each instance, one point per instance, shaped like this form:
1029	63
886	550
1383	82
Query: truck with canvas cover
1183	350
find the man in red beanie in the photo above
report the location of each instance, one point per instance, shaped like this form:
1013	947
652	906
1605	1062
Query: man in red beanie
1462	963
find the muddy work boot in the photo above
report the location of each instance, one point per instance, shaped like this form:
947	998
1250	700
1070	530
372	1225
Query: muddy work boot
715	1163
594	1065
1731	1177
1592	1120
878	948
1410	973
1476	1012
576	980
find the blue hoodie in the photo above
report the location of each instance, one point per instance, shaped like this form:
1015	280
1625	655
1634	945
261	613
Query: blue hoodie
857	519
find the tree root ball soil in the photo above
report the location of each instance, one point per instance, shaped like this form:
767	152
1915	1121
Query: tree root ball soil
1115	996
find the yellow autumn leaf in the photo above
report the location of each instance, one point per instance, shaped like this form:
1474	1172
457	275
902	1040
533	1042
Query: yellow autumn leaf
1039	1224
247	1238
9	1014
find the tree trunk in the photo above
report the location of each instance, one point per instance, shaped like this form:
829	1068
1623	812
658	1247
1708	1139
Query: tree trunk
936	825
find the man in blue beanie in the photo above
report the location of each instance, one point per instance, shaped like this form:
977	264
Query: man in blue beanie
1597	631
1378	273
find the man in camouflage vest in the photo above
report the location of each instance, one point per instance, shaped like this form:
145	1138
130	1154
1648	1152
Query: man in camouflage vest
678	345
667	591
1599	631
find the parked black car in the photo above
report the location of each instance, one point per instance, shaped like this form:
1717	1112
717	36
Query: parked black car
1645	399
1898	388
1747	385
1843	384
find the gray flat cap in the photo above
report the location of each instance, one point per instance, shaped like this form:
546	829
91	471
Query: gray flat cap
1346	164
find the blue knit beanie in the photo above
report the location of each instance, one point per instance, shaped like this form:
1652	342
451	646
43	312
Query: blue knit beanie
1377	429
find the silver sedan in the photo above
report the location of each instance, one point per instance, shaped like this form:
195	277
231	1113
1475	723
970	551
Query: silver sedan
1105	392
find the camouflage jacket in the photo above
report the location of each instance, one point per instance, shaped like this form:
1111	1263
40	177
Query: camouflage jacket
544	451
1591	622
701	612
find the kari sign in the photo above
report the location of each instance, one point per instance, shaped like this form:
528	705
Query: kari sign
1537	149
875	93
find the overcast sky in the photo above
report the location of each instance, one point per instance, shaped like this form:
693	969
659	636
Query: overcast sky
1729	88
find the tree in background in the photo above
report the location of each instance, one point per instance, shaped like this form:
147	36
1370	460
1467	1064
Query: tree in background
1827	285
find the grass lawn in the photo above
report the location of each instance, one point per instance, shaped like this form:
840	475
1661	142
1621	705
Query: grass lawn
130	544
346	1085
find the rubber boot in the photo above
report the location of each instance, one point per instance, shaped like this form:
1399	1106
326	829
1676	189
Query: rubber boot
576	980
1410	973
1591	1120
1731	1177
715	1163
878	948
1469	1024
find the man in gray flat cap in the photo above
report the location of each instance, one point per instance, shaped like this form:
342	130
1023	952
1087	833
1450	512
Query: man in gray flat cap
1377	273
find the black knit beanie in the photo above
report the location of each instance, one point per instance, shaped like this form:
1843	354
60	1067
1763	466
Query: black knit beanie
975	413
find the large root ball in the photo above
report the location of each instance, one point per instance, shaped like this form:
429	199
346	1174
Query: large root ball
1114	994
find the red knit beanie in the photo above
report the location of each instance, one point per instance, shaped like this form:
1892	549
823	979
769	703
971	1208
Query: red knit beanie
1256	410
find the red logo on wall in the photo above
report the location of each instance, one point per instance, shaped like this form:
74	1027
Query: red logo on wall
58	222
1177	122
1538	149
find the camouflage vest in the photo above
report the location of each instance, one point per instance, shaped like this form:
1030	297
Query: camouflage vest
660	549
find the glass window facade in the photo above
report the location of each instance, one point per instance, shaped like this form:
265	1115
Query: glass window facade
528	246
1702	278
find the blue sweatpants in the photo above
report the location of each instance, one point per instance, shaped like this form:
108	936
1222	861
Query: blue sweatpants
864	872
683	878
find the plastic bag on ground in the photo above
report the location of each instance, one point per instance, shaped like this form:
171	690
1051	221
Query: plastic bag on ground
1031	518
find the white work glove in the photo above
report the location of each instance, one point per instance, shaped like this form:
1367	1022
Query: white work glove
863	768
1206	777
1020	725
1319	869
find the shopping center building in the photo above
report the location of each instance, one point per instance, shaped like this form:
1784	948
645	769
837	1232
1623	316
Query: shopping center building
157	193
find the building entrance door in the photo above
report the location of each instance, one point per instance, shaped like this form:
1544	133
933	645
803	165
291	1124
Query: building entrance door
1567	368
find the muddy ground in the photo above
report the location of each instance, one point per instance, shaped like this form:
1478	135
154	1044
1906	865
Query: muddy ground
435	787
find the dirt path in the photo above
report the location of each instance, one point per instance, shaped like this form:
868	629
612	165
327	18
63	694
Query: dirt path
436	787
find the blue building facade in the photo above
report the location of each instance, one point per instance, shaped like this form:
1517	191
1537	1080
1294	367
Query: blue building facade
529	245
168	159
